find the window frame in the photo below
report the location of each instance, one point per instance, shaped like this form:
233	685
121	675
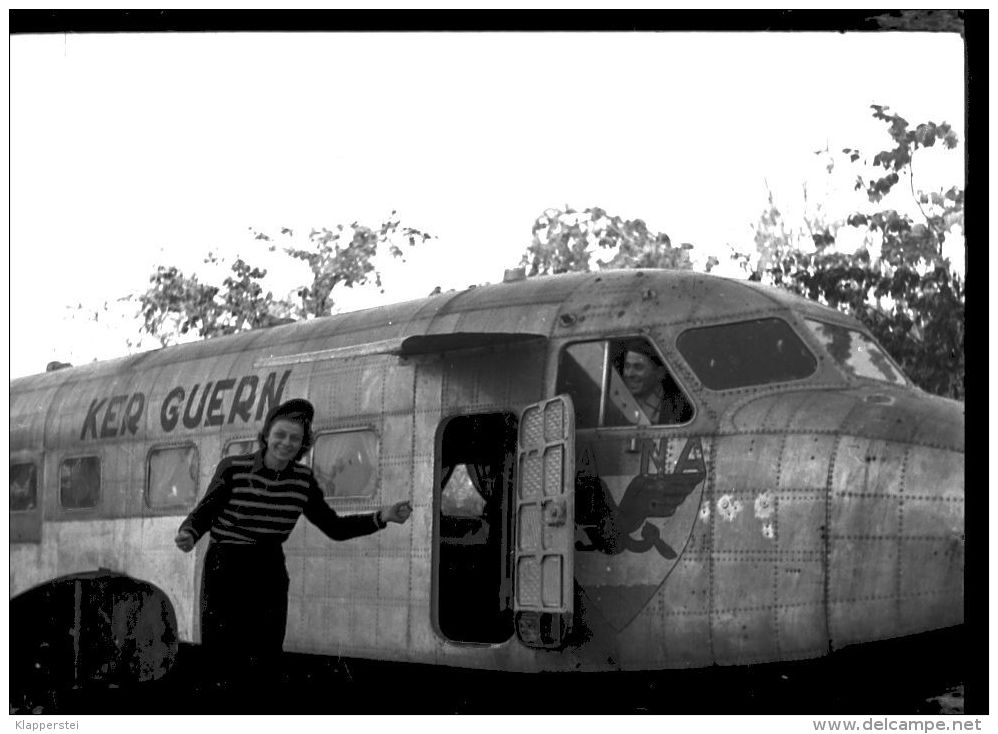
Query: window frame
37	499
309	460
788	322
100	484
248	439
607	368
818	344
147	496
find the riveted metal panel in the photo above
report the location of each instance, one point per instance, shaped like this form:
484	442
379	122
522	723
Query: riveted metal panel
934	493
744	470
768	413
931	543
866	487
28	414
799	610
804	462
862	604
824	411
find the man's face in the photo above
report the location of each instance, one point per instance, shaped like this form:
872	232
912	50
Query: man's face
641	375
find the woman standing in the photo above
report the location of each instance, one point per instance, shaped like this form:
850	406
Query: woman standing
249	510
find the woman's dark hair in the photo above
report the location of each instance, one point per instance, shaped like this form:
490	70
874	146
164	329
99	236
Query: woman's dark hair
307	437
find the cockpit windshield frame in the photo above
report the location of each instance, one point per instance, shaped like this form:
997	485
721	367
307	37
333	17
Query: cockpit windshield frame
876	357
727	356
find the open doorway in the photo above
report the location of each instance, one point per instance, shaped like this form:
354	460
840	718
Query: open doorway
475	485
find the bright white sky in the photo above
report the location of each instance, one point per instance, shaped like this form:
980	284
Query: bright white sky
132	150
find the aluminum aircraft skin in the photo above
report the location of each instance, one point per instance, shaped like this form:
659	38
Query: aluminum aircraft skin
808	497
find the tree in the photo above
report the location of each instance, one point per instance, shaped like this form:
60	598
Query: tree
176	304
565	240
899	283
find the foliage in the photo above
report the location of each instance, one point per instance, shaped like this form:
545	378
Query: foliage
176	304
907	294
564	240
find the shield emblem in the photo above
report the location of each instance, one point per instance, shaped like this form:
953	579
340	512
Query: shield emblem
636	508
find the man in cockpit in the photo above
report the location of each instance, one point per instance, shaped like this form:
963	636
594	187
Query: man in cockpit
645	376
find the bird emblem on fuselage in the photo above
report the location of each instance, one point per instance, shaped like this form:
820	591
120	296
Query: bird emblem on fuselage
609	526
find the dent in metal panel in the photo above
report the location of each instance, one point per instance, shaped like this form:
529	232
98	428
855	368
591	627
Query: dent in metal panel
780	410
683	621
893	422
931	543
943	424
399	385
745	633
393	624
336	390
824	412
530	317
709	299
429	386
934	493
866	488
862	598
799	525
28	413
742	580
396	445
804	462
800	612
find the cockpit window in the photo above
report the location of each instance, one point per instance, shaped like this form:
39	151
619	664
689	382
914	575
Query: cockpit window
621	382
855	352
746	353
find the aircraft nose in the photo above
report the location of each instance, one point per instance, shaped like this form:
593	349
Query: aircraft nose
896	535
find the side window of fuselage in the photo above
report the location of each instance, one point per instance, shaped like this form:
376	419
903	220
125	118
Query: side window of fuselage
346	463
172	476
240	446
23	487
80	482
621	382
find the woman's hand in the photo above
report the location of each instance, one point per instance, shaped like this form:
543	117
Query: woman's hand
399	512
184	541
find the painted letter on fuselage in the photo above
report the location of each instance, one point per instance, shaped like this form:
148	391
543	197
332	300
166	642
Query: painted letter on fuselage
169	414
243	406
193	421
269	396
90	422
215	417
133	413
109	428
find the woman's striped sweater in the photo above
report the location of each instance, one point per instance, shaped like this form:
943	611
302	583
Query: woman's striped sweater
248	503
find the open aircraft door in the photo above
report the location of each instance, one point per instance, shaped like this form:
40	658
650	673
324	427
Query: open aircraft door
545	523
